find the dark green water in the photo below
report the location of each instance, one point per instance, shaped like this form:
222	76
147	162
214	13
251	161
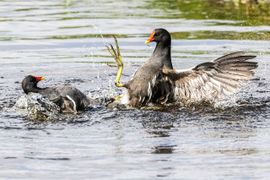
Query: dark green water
65	42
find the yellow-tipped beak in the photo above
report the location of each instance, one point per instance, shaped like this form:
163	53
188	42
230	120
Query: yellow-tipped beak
147	42
39	78
151	38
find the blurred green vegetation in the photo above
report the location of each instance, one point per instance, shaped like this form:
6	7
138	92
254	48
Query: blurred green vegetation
262	35
250	12
238	12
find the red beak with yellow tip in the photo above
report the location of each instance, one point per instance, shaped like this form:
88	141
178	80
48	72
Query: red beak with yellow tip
39	78
151	38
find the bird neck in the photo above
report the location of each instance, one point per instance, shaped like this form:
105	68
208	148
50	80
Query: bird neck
35	89
39	90
162	52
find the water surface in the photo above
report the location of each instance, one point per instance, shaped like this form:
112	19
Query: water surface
65	42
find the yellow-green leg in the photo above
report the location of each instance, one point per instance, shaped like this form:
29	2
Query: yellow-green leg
118	59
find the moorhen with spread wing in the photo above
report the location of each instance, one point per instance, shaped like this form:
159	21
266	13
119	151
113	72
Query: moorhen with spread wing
156	81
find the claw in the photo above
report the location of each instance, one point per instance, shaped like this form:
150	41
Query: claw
118	58
117	46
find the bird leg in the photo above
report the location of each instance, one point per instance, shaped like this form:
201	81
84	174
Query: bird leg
118	59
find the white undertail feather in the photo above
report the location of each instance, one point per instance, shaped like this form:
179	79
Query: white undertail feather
73	102
125	98
154	80
149	91
166	99
140	99
143	98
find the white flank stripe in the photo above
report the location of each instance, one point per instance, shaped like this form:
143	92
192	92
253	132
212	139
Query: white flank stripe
74	104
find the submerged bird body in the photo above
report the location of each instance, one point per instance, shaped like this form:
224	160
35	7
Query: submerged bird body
156	81
68	98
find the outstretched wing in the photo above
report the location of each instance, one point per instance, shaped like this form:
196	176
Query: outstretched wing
211	80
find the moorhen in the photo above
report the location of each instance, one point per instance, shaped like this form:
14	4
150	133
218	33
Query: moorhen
68	98
156	81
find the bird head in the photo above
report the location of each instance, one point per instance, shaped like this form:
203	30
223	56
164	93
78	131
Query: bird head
29	83
159	35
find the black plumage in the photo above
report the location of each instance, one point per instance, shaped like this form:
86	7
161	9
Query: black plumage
158	82
69	98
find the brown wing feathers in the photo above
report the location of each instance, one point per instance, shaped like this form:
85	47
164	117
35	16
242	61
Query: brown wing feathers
212	80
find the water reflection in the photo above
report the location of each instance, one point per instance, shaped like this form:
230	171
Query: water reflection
239	151
242	13
250	12
163	149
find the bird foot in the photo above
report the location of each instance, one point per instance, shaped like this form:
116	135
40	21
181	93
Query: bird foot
115	52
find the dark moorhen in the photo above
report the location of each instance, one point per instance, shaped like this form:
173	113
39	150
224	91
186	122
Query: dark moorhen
156	81
68	98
